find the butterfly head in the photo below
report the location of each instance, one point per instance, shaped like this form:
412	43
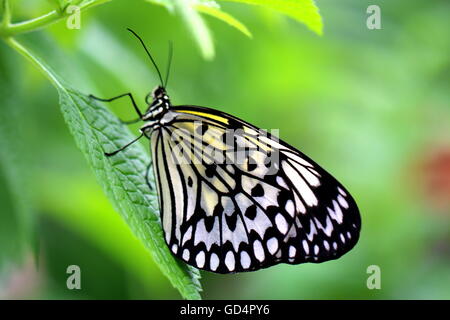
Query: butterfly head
158	103
158	98
159	93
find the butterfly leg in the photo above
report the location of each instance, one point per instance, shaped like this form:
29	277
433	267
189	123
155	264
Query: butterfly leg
118	97
146	174
109	154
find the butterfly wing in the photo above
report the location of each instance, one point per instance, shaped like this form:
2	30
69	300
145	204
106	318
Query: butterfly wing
234	198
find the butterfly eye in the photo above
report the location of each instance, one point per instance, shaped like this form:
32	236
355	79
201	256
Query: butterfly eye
158	92
149	98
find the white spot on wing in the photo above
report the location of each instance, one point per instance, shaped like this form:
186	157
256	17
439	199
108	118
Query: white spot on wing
305	246
245	260
281	182
342	202
292	251
200	259
229	261
342	192
214	262
290	208
258	250
186	255
281	223
272	245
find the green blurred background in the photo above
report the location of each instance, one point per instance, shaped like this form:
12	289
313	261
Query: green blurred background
371	106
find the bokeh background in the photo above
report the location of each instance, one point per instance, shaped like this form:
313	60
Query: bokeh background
371	106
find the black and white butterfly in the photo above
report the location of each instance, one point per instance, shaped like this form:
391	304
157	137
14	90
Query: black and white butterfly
234	198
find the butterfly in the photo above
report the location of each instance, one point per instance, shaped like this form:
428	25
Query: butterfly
235	198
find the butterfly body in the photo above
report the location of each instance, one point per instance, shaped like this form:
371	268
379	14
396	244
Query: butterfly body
234	198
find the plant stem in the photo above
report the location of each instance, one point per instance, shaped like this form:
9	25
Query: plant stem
6	20
34	60
10	30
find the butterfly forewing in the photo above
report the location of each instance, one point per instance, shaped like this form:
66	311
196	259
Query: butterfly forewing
234	198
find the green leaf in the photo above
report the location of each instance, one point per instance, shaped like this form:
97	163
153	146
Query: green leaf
96	130
194	21
122	176
59	4
304	11
221	15
208	7
197	26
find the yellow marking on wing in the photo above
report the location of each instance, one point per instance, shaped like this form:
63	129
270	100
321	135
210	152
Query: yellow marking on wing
211	137
206	115
263	146
209	199
249	130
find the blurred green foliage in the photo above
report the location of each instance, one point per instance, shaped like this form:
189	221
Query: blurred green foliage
369	105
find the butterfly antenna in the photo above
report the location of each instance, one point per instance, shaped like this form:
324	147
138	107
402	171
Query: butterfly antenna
169	63
149	55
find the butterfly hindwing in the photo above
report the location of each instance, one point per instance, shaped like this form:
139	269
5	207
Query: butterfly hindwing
234	198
